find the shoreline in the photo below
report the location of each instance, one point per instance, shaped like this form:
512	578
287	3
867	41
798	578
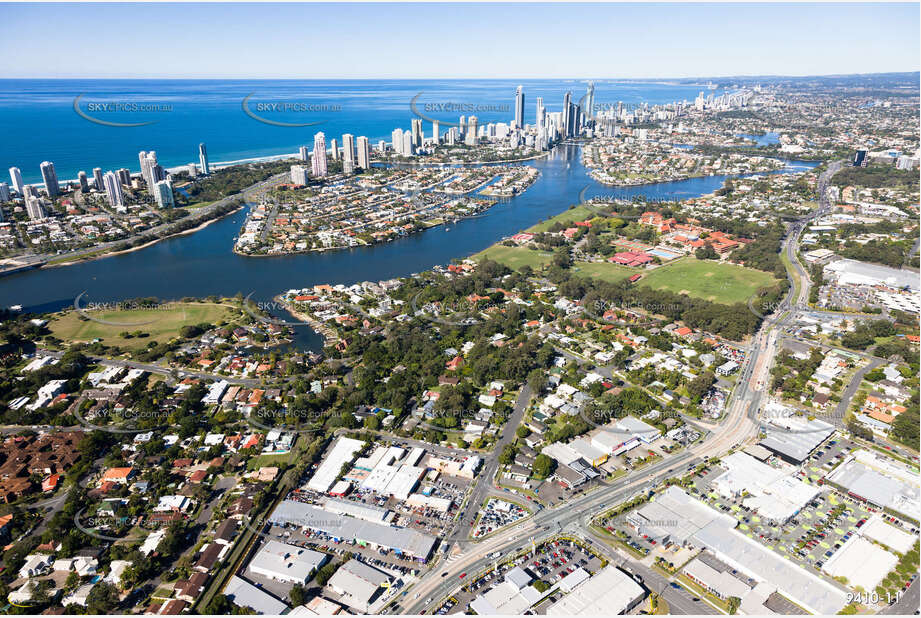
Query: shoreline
364	246
330	337
150	243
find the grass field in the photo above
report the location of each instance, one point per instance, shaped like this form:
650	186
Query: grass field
713	281
579	213
515	257
161	324
606	271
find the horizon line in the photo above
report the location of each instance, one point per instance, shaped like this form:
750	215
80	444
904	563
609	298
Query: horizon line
494	78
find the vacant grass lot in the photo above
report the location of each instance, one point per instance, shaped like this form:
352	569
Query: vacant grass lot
579	213
713	281
515	257
161	324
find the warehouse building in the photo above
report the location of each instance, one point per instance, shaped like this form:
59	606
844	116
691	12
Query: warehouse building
876	487
794	438
608	592
286	563
342	452
861	562
244	594
359	585
403	541
774	493
890	536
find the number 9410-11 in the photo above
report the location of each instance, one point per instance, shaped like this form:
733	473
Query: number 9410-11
872	598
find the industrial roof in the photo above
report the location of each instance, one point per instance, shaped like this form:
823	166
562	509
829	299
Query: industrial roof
244	594
755	560
341	453
607	593
887	534
795	437
878	488
404	540
861	562
286	562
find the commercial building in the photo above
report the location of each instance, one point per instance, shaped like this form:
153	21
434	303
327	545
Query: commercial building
359	510
359	585
720	583
794	438
861	562
244	594
674	517
403	541
852	272
286	563
513	596
881	487
775	493
342	452
610	591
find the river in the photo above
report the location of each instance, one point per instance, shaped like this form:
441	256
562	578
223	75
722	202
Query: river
202	263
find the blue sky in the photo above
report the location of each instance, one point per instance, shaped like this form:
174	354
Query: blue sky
456	40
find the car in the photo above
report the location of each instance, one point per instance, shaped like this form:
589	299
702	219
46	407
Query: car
674	585
463	575
445	574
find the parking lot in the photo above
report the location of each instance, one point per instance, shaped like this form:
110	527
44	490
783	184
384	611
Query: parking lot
497	514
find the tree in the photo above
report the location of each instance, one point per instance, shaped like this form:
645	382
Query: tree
733	603
507	456
707	252
298	595
699	386
522	432
543	466
859	430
